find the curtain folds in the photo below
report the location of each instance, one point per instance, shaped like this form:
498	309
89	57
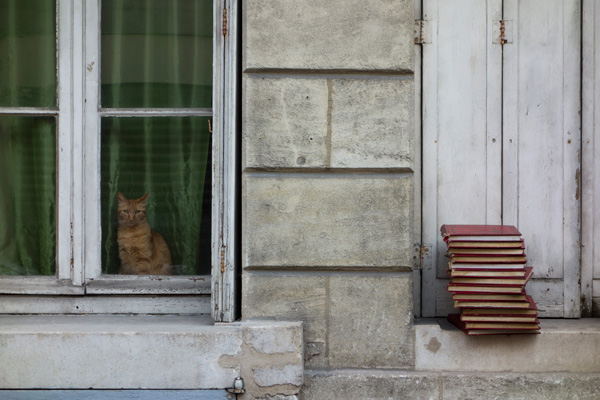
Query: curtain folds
27	144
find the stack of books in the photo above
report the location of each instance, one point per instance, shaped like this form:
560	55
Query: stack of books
487	280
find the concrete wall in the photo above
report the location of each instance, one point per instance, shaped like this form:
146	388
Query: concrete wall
327	182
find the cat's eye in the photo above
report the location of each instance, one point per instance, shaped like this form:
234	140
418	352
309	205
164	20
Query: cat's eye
138	211
125	211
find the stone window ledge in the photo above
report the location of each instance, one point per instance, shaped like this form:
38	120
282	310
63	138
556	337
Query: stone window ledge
563	345
149	352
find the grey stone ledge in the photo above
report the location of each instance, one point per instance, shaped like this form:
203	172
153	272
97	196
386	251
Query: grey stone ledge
349	384
146	352
563	345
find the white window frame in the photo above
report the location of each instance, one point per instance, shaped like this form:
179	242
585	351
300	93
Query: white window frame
78	247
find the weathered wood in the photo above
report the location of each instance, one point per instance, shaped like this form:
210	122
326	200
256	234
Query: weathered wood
590	179
225	279
501	137
417	171
150	285
542	138
461	128
141	304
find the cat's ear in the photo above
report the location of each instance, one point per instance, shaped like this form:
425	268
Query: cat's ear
120	198
142	200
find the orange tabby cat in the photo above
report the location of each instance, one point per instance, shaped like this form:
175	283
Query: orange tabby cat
142	251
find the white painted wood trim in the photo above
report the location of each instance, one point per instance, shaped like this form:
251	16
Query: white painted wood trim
65	140
429	165
113	304
156	112
572	158
77	132
590	218
417	172
225	166
157	284
97	283
510	129
91	201
494	118
26	111
38	285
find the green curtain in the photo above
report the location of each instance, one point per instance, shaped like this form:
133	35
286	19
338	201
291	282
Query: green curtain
158	54
27	144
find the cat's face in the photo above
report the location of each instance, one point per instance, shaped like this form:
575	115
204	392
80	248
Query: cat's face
131	212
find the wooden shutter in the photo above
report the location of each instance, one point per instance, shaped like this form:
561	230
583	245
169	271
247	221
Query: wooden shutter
501	137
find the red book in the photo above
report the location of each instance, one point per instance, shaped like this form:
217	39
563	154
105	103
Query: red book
495	330
487	259
486	266
502	312
488	252
501	281
524	303
481	232
504	289
509	318
485	273
451	243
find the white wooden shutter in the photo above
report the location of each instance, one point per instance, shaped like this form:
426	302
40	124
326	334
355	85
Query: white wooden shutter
501	137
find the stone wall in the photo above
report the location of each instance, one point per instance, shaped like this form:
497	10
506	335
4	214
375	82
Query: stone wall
327	180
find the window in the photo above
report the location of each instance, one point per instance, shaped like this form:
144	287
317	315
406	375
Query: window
101	99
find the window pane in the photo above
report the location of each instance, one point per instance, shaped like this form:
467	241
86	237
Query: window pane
167	158
156	53
28	49
27	195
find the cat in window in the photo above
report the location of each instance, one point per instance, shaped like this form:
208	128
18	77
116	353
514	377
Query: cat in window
142	250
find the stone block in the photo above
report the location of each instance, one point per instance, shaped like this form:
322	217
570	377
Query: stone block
104	352
272	338
328	123
369	384
372	123
273	376
284	123
333	35
298	297
371	321
333	220
556	386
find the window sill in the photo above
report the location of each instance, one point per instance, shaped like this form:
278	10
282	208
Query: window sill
142	352
562	345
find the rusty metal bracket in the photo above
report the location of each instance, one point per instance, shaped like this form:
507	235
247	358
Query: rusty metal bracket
502	32
422	32
238	386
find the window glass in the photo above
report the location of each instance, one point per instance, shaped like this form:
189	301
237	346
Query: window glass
155	174
168	158
27	195
156	54
28	49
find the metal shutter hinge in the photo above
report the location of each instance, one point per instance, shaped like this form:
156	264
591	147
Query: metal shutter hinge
223	259
502	32
422	32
